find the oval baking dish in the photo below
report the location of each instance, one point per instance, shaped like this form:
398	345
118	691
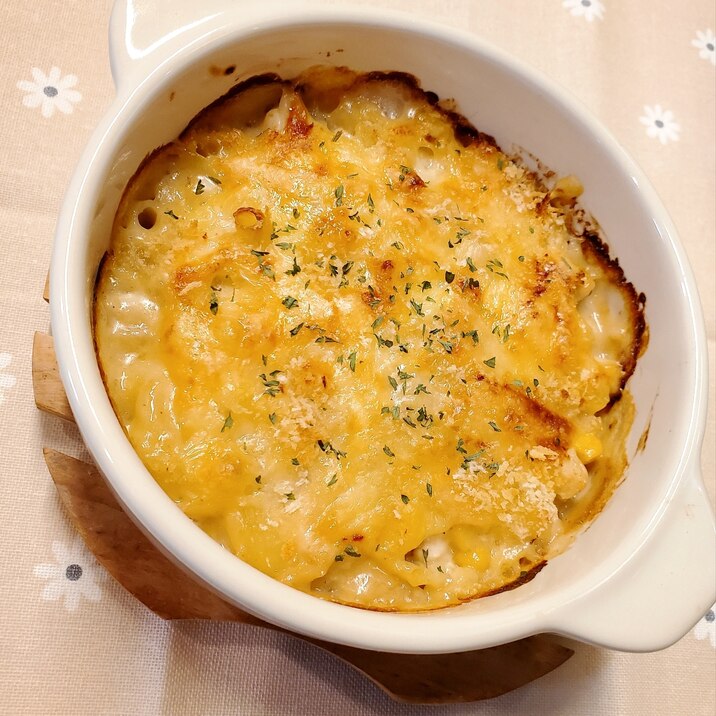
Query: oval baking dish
652	548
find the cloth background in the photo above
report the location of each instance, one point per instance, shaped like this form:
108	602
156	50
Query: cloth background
83	645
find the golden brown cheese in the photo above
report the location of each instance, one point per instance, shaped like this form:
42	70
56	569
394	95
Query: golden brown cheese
363	348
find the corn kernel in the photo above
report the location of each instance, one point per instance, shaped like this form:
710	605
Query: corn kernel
588	447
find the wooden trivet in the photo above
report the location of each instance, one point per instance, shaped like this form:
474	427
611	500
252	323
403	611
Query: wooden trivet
171	593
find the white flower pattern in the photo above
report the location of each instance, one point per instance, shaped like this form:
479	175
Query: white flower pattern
660	124
7	380
50	92
588	9
706	628
705	42
73	576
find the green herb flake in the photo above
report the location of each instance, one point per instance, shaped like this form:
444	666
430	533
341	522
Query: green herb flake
333	480
382	341
266	270
500	163
470	264
339	194
228	422
290	302
449	276
388	451
494	426
289	496
425	557
352	361
350	550
272	418
474	456
258	479
297	329
214	304
271	384
172	214
371	203
294	461
405	499
337	135
521	258
295	269
327	447
429	489
199	189
490	362
472	334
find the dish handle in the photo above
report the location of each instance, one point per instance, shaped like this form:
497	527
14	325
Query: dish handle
660	594
141	32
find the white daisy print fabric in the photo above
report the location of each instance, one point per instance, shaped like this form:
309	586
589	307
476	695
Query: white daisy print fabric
705	43
706	628
7	380
588	9
50	91
72	577
660	124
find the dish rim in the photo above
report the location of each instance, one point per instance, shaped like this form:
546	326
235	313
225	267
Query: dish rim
219	569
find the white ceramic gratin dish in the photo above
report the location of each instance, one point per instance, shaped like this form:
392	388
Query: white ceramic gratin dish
644	572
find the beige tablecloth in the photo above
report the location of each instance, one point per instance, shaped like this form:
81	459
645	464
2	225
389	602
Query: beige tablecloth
76	644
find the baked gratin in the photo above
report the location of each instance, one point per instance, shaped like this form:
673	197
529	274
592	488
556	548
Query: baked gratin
367	351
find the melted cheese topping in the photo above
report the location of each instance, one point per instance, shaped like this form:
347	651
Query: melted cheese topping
361	347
